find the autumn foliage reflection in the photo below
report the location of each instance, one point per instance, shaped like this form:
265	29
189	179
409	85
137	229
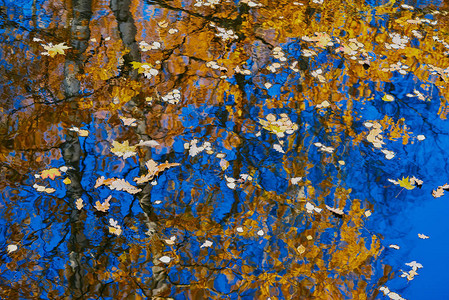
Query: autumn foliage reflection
203	144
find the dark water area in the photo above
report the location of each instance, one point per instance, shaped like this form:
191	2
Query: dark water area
213	149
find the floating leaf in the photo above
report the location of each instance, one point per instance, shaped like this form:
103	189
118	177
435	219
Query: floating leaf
83	132
278	148
171	241
67	180
165	259
438	193
414	265
405	183
388	98
41	188
79	203
53	50
103	207
295	180
422	236
415	181
206	244
153	170
224	164
394	246
337	211
123	185
150	143
50	173
128	121
123	149
114	230
100	181
311	208
11	248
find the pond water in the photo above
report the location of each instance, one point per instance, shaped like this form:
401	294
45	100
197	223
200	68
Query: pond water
213	149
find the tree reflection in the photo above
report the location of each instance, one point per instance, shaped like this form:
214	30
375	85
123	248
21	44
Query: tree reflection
279	114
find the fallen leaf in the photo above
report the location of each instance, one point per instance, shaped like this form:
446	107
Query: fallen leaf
114	230
388	98
123	185
103	207
165	259
150	143
422	236
414	265
278	148
301	249
53	50
83	132
171	241
49	190
445	187
337	211
438	193
206	244
11	248
224	164
103	181
311	208
128	121
295	180
163	24
123	149
416	181
153	170
394	246
50	173
79	203
67	181
405	183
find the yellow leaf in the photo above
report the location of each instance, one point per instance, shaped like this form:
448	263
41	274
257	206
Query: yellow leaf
301	249
52	50
405	183
83	132
388	98
114	230
123	150
67	181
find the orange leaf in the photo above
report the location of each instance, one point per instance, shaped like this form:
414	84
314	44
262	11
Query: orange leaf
103	206
50	173
153	170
